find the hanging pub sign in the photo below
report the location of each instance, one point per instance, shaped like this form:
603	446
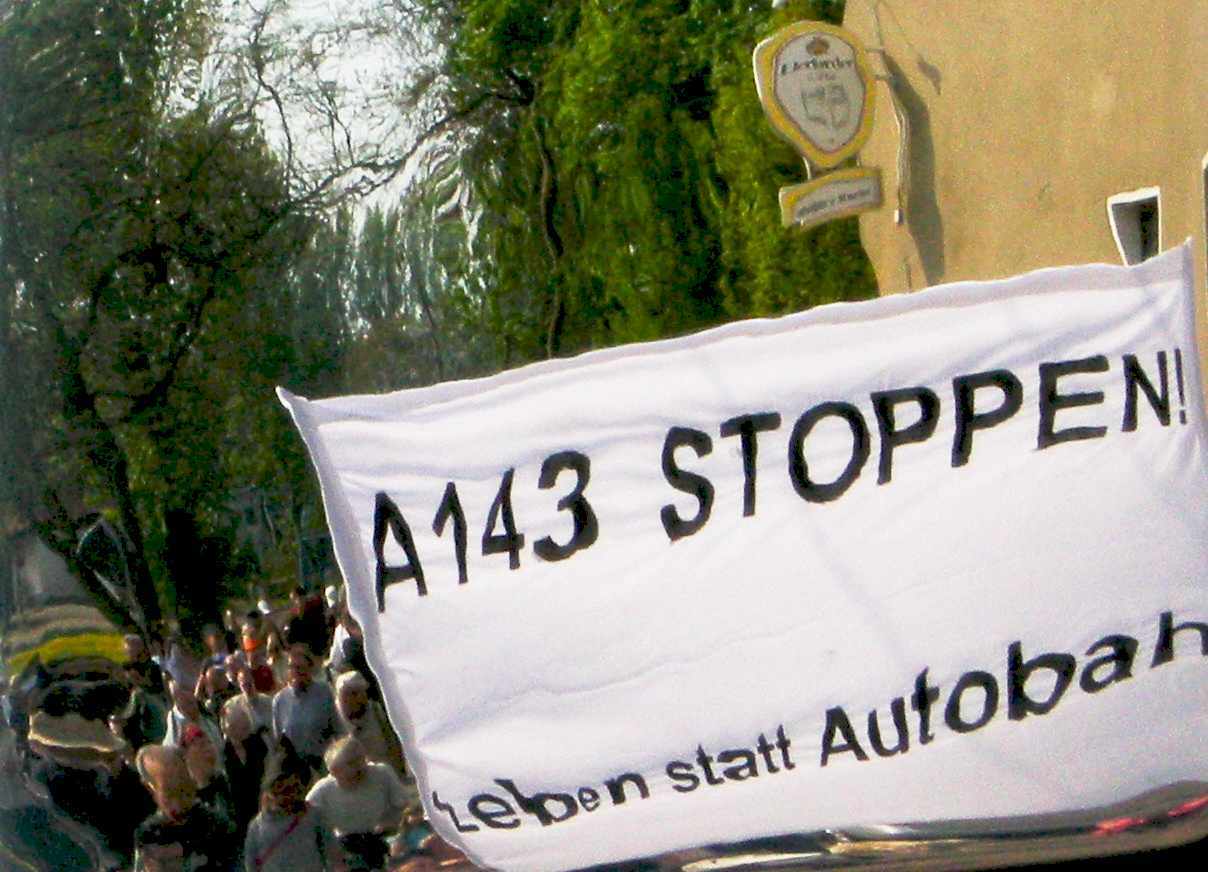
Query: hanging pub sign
817	91
932	556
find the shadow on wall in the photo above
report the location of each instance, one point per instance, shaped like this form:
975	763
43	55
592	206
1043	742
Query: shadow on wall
922	210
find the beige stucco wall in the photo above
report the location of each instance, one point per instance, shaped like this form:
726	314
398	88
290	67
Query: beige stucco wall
1024	118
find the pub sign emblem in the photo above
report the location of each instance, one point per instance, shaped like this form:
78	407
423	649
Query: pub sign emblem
816	89
817	92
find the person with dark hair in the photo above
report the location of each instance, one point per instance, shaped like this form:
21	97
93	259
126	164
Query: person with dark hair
216	646
252	631
139	662
304	711
160	850
121	804
262	646
261	671
203	763
308	622
348	652
235	662
288	835
257	705
214	689
144	718
230	632
244	756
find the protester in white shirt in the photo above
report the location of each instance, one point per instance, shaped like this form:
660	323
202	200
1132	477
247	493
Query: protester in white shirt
304	711
360	801
256	705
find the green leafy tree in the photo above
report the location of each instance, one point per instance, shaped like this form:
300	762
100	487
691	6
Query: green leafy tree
624	181
139	232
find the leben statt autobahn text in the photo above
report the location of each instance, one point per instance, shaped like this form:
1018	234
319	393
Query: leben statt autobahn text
915	719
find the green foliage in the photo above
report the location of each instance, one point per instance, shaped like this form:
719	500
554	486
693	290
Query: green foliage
624	178
141	246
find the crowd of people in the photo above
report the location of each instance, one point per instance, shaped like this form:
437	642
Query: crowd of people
269	750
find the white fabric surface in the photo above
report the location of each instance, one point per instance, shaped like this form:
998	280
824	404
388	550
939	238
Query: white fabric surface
643	656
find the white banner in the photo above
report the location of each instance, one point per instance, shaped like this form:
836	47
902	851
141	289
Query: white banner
940	555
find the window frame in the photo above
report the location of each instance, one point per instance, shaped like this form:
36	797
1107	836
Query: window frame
1134	198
